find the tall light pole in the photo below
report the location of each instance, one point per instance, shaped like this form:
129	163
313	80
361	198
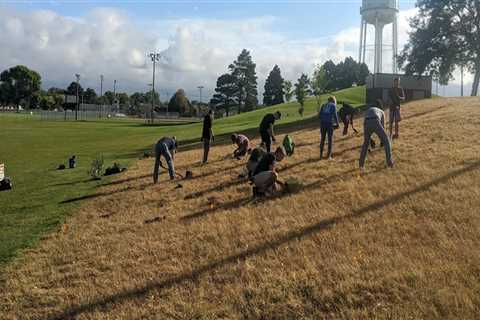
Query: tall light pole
115	94
76	109
101	95
155	57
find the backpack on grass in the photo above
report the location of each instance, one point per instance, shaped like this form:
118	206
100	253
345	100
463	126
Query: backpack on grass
289	145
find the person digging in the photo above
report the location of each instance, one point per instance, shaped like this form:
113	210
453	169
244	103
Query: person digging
243	145
265	177
165	147
266	128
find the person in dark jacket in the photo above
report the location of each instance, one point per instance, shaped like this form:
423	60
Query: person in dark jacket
165	147
266	128
397	96
346	114
207	134
265	176
328	122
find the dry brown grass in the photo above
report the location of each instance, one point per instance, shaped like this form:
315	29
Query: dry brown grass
400	243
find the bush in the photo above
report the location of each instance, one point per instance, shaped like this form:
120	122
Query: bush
96	168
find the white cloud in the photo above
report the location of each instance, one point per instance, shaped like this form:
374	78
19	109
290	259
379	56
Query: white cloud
196	51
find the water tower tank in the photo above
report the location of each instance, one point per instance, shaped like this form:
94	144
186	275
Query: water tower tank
384	11
379	13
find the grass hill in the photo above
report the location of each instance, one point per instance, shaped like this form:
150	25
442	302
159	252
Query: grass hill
387	244
33	149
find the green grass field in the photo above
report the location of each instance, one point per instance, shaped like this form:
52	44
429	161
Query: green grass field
32	150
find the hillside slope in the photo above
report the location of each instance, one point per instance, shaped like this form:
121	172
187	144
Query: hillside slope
399	243
32	149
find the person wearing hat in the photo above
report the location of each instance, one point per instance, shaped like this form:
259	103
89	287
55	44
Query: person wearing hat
265	177
243	145
328	122
165	147
375	123
207	134
266	128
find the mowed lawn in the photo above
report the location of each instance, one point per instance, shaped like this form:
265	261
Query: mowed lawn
396	243
33	149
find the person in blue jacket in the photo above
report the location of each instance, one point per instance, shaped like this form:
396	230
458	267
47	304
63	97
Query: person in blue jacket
165	147
328	122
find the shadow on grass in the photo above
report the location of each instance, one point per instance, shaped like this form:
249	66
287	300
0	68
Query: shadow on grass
106	193
258	249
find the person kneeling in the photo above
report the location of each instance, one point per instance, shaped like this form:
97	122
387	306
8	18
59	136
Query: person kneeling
243	145
265	177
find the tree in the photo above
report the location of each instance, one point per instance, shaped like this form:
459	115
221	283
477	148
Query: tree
224	93
243	70
90	96
319	83
19	83
123	98
273	93
180	103
301	91
72	89
445	34
108	98
288	90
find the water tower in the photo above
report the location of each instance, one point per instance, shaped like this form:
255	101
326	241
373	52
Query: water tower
379	13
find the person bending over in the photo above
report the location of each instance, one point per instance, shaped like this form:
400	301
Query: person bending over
374	122
346	114
265	177
243	145
266	128
165	147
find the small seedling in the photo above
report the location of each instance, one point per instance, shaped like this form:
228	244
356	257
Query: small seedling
96	168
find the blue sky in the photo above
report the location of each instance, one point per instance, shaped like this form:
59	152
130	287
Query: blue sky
198	39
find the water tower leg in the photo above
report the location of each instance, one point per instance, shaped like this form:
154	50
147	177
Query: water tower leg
360	50
378	46
364	41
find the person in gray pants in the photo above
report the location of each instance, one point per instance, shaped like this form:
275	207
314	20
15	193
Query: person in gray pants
375	123
165	147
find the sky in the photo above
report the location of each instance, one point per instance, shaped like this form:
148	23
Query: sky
197	40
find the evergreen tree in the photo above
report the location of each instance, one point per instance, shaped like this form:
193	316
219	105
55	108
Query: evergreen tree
180	103
288	90
224	96
445	34
301	91
243	70
273	93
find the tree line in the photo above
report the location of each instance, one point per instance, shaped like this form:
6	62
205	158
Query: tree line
235	89
238	87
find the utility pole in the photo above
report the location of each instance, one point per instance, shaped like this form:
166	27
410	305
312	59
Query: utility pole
101	95
461	81
115	94
76	109
155	57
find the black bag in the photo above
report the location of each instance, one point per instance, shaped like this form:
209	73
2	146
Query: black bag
6	184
